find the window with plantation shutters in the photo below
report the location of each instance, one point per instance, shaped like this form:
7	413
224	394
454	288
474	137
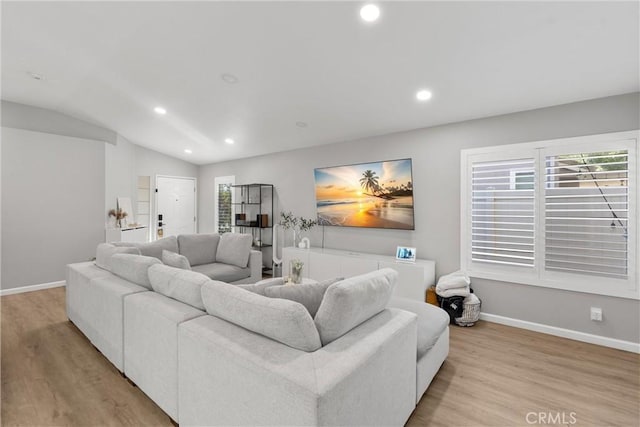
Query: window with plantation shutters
502	212
586	213
560	213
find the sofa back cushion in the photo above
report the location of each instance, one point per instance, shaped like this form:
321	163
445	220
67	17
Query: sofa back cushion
234	249
310	295
175	260
154	248
133	268
179	284
260	287
104	252
281	320
199	248
348	303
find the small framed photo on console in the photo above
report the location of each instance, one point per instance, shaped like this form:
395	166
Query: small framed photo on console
405	254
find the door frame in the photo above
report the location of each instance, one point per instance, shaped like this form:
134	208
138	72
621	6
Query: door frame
155	202
216	182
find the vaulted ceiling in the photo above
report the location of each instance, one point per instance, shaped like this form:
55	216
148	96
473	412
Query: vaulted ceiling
308	73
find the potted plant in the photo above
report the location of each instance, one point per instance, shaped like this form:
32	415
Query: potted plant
305	225
295	273
119	215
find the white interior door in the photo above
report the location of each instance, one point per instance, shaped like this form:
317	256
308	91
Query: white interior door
176	202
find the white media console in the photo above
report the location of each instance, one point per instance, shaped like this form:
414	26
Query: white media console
320	264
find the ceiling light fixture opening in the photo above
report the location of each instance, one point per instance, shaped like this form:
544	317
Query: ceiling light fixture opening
229	140
186	150
160	110
35	76
229	78
423	95
370	13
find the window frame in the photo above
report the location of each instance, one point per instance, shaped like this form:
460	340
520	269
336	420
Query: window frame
217	181
538	276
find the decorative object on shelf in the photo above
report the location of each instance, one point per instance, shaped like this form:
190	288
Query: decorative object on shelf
124	204
295	271
305	225
405	254
304	243
241	219
289	222
263	220
298	225
119	215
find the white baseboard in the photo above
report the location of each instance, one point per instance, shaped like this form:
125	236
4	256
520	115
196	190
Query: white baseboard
31	288
564	333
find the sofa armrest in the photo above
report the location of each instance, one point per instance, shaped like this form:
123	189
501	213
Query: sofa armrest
231	376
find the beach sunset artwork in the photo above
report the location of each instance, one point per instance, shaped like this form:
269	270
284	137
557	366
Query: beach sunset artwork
376	195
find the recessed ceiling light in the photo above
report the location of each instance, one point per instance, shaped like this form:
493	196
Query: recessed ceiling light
370	12
35	76
423	95
302	124
229	140
186	150
229	78
160	111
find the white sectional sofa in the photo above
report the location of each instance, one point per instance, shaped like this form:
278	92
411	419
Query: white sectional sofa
211	353
227	258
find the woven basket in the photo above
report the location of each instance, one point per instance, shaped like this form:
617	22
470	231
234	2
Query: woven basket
470	314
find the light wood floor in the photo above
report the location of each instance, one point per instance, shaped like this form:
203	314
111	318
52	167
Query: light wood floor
494	376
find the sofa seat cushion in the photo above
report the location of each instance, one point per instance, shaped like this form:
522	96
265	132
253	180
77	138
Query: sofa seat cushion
133	268
153	249
223	272
179	284
199	248
310	294
173	259
234	249
281	320
348	303
432	321
104	252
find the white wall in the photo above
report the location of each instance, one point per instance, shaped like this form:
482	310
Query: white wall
52	204
60	176
27	117
125	161
436	175
120	173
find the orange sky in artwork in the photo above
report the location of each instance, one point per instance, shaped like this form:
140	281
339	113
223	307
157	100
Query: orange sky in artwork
338	193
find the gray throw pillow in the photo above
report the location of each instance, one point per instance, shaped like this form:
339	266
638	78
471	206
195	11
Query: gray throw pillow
259	287
104	252
281	320
350	302
199	248
173	259
133	268
310	295
181	285
234	249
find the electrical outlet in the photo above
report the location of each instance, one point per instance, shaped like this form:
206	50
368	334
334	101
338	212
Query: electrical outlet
596	314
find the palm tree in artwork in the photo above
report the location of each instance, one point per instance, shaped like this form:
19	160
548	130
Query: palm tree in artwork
369	181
